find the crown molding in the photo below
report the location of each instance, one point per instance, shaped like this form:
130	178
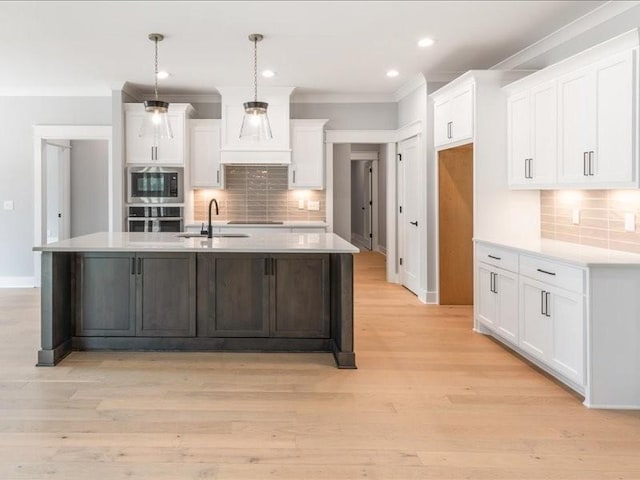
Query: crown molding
342	98
55	92
588	21
409	86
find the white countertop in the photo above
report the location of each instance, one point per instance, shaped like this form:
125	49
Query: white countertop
581	255
272	242
285	224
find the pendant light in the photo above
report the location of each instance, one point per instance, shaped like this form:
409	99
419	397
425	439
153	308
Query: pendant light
255	123
156	122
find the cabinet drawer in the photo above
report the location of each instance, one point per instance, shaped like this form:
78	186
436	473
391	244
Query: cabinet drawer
497	256
563	276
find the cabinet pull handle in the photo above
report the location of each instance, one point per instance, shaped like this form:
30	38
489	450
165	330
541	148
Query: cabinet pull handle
133	266
273	266
294	176
491	281
546	303
585	161
139	266
267	264
591	154
218	176
415	224
152	153
495	283
544	271
495	258
542	292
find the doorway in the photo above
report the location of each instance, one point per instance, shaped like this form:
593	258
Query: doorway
364	209
455	225
73	193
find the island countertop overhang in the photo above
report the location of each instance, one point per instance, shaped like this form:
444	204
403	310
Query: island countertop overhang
170	242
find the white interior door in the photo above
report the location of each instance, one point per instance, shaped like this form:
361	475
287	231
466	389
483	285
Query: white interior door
368	204
408	214
58	186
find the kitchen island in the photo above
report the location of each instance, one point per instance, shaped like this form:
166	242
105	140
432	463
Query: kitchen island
158	291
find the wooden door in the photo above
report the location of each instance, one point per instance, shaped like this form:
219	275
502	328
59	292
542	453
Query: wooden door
300	300
233	295
165	295
105	293
455	217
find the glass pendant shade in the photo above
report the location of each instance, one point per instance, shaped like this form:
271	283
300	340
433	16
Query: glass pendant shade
255	123
155	123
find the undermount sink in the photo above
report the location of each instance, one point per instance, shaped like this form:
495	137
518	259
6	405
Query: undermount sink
215	235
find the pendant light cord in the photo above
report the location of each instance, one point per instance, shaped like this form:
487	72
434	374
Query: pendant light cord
255	69
156	68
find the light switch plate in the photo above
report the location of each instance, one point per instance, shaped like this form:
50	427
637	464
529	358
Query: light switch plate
575	216
313	205
300	204
630	222
8	204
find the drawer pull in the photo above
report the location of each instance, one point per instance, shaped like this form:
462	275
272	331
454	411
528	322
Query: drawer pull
495	258
544	271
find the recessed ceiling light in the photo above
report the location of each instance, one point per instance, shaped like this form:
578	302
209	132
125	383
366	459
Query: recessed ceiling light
268	73
162	75
392	73
426	42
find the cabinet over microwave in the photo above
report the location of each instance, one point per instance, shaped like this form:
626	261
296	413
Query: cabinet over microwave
155	185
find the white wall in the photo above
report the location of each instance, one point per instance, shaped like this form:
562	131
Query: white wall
18	115
342	190
89	190
350	116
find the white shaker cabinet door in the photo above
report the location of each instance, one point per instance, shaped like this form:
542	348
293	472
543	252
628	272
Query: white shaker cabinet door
613	161
462	115
566	310
486	297
506	288
441	122
576	126
138	150
535	327
204	153
307	154
171	150
544	128
519	140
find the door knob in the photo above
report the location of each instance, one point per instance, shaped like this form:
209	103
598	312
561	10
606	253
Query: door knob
414	223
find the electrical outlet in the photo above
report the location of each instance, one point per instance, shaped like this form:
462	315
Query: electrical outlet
630	222
8	204
575	216
301	204
313	205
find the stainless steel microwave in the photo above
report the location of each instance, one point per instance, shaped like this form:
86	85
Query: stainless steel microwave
155	185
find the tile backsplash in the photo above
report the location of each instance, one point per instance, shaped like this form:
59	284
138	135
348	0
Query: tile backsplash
601	216
259	194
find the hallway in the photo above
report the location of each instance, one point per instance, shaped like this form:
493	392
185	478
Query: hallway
430	399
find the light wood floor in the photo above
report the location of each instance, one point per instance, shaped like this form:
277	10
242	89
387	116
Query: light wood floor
431	400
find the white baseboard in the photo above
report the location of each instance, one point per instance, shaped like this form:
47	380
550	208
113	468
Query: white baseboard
432	297
422	295
382	250
17	282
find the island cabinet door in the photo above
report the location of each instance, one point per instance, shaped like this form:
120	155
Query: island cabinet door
300	296
233	295
105	292
165	300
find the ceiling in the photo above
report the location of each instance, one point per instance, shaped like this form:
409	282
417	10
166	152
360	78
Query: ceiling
88	48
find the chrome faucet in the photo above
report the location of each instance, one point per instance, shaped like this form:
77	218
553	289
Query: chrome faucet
209	226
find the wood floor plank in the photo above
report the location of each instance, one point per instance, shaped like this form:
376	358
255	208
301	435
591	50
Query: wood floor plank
430	400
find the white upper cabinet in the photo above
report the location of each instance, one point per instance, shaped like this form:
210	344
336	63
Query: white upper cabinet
453	116
532	137
582	121
307	154
204	154
169	151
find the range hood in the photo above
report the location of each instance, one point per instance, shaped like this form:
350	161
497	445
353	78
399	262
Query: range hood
235	150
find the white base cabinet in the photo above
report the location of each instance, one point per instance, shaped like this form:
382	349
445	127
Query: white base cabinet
579	323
